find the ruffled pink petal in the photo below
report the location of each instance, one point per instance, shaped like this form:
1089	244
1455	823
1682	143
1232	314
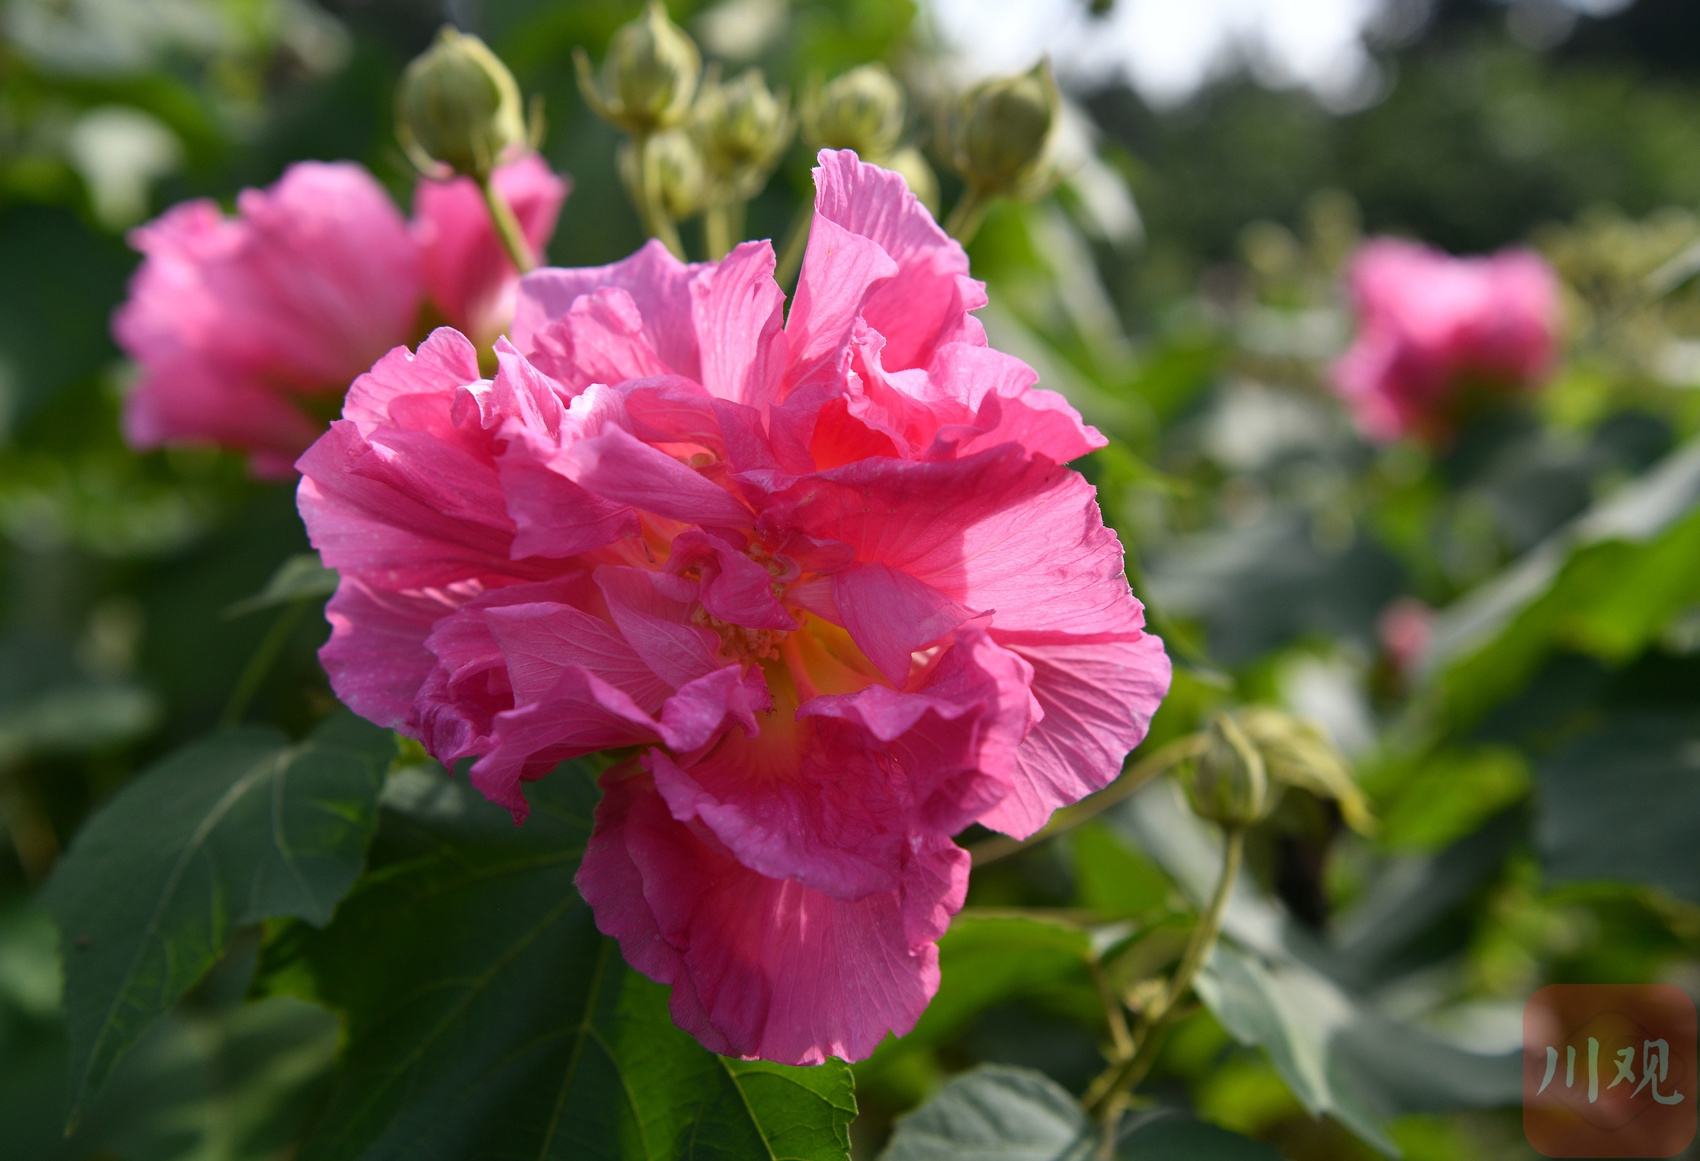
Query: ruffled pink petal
1097	698
765	967
657	626
621	468
600	340
733	587
994	532
376	657
579	715
466	270
739	310
890	615
927	303
839	271
659	284
538	641
955	739
693	716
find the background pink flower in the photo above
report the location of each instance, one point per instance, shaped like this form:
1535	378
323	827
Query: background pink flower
825	571
468	275
248	328
1434	329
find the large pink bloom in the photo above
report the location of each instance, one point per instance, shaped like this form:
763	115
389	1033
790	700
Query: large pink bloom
1435	330
249	329
824	572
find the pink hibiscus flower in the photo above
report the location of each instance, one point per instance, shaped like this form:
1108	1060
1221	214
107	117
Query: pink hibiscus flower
825	572
1436	331
249	329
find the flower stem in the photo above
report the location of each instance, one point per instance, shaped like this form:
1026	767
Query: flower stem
651	206
717	230
967	214
1104	1098
507	227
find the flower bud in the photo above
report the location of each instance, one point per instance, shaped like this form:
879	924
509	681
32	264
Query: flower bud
744	128
1229	785
1297	753
1000	134
649	77
861	110
458	107
677	168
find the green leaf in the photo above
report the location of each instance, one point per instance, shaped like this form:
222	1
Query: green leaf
1606	584
236	829
1450	795
995	1113
299	578
487	1017
1000	1113
1623	802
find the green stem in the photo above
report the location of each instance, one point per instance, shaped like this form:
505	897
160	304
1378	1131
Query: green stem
260	664
1104	1097
651	207
796	245
966	215
717	230
508	227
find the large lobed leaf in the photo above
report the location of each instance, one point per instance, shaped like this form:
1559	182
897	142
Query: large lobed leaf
487	1017
230	831
1623	802
1606	585
999	1113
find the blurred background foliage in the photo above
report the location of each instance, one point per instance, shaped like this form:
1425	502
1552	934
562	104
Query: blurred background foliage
1532	767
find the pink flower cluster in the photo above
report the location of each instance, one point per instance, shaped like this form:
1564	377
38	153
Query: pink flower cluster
249	329
824	572
1435	331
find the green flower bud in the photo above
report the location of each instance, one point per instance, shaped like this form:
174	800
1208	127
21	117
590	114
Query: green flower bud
1229	785
457	107
676	163
744	129
1000	133
649	77
1297	753
861	110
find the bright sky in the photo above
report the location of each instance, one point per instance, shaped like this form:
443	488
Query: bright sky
1168	48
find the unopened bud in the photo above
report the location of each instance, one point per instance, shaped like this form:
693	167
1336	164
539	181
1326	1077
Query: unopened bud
861	110
675	166
1001	131
744	129
1297	753
458	107
649	77
1229	785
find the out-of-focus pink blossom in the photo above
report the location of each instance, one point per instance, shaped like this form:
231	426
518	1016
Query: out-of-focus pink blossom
1434	331
249	328
824	572
468	275
1405	627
